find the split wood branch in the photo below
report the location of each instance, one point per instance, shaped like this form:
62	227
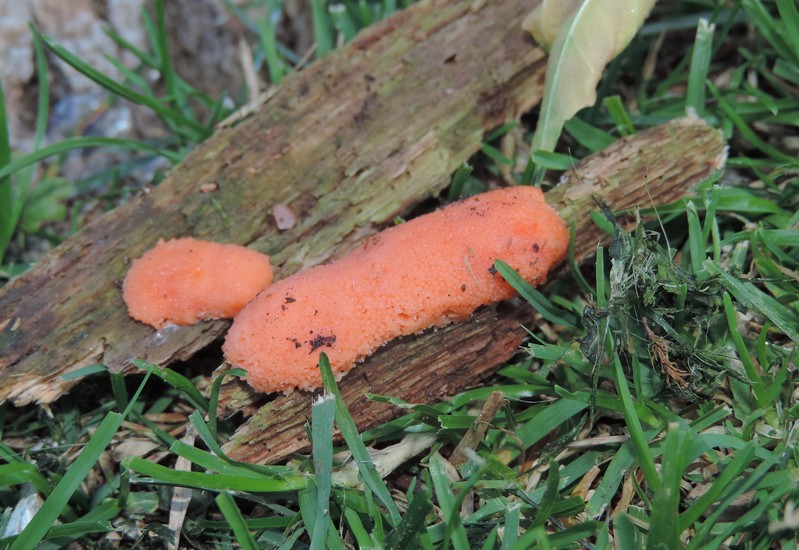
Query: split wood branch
347	144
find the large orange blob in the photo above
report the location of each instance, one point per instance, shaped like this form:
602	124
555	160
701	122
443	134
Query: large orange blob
186	280
426	272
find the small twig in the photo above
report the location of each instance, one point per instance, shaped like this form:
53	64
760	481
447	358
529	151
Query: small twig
477	431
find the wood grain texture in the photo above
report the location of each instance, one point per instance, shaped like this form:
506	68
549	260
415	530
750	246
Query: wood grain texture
348	144
652	168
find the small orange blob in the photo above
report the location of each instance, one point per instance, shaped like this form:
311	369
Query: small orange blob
426	272
186	280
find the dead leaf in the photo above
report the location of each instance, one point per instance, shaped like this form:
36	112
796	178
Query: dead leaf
588	38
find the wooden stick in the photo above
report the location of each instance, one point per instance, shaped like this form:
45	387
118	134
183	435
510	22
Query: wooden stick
477	431
349	144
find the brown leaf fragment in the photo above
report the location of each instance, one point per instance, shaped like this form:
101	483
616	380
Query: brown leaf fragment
659	352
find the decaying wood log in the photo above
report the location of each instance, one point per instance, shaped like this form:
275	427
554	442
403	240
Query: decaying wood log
652	168
348	144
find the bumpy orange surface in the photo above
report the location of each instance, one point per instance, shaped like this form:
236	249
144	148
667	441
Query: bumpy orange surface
184	281
426	272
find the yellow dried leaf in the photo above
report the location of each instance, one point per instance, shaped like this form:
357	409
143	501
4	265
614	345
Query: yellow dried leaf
587	38
547	17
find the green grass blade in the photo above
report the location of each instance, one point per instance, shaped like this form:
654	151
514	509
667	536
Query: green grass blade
193	130
8	454
547	310
166	68
768	27
274	62
753	516
350	433
388	7
413	522
243	468
550	496
23	183
611	402
80	143
236	521
790	19
224	465
213	397
131	76
664	520
738	121
548	418
601	284
208	461
696	243
233	7
321	28
7	222
624	532
495	154
590	137
454	529
501	131
619	115
716	416
602	222
756	478
252	523
611	480
144	57
700	64
218	111
365	14
358	530
571	537
743	354
375	514
643	452
512	516
743	457
458	180
711	206
95	521
177	381
42	77
17	473
752	297
213	482
491	540
343	21
291	540
76	529
160	434
551	161
533	175
533	538
323	412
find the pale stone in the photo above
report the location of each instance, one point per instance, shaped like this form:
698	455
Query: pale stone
76	27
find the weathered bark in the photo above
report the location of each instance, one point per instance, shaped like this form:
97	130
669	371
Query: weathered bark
652	168
349	144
